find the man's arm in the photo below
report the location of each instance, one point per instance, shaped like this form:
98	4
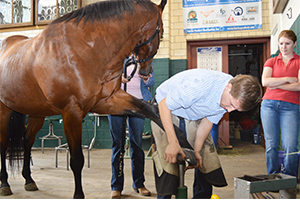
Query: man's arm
173	148
203	130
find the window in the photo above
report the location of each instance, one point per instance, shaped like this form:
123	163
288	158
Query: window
15	13
48	10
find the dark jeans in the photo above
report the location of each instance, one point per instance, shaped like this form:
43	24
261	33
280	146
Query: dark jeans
136	128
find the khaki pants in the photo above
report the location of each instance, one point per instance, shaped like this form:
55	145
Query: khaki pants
211	169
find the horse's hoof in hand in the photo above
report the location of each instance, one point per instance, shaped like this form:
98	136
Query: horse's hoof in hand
31	187
5	191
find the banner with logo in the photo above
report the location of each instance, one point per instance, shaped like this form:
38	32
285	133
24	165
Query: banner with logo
200	16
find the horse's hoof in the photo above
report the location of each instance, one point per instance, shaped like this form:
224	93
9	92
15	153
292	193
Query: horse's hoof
31	187
5	191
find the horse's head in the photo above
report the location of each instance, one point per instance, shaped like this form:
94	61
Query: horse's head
148	46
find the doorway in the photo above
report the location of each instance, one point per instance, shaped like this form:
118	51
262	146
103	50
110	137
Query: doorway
245	59
238	56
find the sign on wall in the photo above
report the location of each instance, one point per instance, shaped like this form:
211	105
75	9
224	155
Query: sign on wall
209	58
200	16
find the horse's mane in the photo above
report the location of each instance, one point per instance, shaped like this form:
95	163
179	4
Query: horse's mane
104	10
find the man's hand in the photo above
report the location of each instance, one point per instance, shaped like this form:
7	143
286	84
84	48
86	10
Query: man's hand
199	159
172	150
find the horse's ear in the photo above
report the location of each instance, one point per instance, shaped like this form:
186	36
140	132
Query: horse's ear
162	4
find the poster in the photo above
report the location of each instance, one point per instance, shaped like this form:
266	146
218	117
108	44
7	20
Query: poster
200	16
209	58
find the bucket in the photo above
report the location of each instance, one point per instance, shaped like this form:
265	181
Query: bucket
237	134
281	160
215	134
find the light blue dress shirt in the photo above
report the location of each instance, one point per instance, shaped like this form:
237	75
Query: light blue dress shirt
194	94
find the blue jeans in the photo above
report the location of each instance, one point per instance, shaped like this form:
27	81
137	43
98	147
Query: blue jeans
280	115
136	128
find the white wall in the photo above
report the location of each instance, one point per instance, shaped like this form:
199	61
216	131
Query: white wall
282	21
29	33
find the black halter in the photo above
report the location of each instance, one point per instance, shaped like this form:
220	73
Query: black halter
137	47
133	59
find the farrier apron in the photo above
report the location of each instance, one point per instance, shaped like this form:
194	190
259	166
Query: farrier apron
166	174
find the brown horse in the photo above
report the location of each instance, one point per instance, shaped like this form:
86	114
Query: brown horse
73	67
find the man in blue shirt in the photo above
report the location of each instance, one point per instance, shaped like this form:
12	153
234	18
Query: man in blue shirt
207	95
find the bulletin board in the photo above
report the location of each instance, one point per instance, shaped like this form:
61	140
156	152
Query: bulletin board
209	58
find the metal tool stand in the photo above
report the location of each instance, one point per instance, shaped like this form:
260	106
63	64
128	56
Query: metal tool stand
149	153
66	147
87	147
50	136
127	149
244	186
182	189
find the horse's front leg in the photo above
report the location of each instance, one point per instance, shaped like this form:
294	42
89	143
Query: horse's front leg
72	121
33	127
5	187
4	119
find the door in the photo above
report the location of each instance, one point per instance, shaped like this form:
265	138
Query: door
254	51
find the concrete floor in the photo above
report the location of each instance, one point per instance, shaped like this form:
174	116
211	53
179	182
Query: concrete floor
58	183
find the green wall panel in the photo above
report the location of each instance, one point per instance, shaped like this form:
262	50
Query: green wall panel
178	66
162	72
103	139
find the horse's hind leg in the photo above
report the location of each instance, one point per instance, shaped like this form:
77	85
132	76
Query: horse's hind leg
34	125
4	120
121	103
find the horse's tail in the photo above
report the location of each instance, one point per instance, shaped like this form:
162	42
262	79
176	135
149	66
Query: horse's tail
16	132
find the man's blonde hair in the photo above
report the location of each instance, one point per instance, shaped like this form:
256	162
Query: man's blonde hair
247	89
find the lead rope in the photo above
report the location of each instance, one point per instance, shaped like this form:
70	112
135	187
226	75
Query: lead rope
123	137
133	60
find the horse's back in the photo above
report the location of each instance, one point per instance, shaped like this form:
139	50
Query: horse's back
11	41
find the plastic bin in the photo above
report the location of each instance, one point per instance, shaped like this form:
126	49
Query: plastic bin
281	160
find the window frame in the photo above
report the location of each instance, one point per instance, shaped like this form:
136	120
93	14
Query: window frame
279	6
45	22
33	16
12	25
